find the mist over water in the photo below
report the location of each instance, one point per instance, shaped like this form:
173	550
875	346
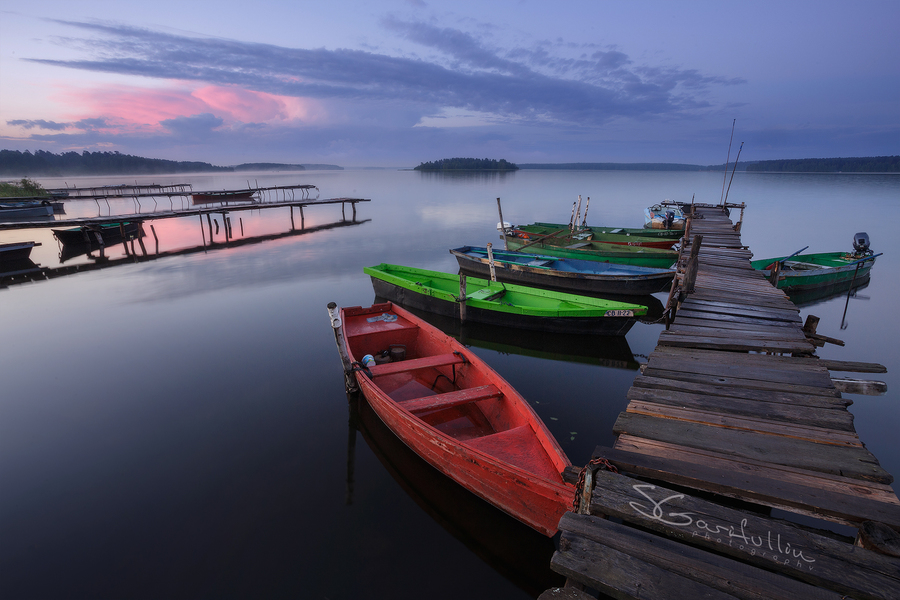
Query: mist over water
178	427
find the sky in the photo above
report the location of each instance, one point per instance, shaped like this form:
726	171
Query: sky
394	83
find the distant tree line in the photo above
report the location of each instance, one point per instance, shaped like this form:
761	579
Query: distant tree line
19	164
467	164
268	167
871	164
616	166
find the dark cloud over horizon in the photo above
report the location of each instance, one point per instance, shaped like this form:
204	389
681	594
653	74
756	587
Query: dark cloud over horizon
526	86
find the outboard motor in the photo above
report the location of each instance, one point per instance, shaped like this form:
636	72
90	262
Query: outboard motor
670	218
861	244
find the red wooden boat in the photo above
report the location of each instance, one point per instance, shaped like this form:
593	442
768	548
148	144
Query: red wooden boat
458	414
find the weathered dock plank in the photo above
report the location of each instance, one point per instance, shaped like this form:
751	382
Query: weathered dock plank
753	538
733	403
849	461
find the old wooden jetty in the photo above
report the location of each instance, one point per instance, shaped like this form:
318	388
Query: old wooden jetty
737	472
223	208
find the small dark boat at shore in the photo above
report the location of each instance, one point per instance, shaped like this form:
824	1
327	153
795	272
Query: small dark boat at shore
224	196
29	209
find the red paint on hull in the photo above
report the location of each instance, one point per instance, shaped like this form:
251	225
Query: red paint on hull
460	416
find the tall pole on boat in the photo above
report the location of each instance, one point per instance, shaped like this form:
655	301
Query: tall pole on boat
586	207
502	226
736	158
490	251
725	176
577	214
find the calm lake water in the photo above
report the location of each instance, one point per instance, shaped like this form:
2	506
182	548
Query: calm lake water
178	428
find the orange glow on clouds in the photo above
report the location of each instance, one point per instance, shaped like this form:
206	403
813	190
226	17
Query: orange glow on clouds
133	109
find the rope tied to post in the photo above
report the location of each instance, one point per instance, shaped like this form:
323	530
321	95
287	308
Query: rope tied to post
579	486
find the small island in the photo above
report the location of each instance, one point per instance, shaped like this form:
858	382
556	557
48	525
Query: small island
467	164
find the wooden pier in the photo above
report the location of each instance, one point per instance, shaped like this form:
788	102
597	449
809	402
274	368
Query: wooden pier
223	208
735	447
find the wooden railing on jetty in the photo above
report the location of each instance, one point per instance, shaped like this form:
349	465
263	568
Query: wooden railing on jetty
174	189
734	435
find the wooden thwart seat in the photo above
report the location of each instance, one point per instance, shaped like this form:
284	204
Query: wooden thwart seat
450	399
486	294
438	360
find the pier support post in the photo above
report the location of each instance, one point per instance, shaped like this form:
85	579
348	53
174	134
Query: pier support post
690	272
156	239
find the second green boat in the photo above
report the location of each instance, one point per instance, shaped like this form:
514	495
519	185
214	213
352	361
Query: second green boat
640	256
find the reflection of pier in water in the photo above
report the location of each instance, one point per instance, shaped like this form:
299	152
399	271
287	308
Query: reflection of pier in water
37	273
513	549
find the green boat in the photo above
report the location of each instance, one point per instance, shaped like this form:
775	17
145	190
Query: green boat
597	251
529	233
802	272
504	304
668	234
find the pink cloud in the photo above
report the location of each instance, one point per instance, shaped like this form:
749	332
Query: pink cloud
142	108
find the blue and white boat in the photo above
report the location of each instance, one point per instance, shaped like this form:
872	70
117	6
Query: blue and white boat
564	274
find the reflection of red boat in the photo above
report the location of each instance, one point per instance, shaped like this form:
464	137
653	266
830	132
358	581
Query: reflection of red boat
226	196
517	552
458	414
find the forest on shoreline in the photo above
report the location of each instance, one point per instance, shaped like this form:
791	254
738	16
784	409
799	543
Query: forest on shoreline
41	163
15	163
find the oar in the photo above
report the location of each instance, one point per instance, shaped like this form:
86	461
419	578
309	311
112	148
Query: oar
793	255
858	264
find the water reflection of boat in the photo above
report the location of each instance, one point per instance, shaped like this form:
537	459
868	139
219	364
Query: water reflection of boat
517	552
108	233
611	352
458	414
16	251
87	238
817	296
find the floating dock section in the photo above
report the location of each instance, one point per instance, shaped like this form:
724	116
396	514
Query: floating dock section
735	447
